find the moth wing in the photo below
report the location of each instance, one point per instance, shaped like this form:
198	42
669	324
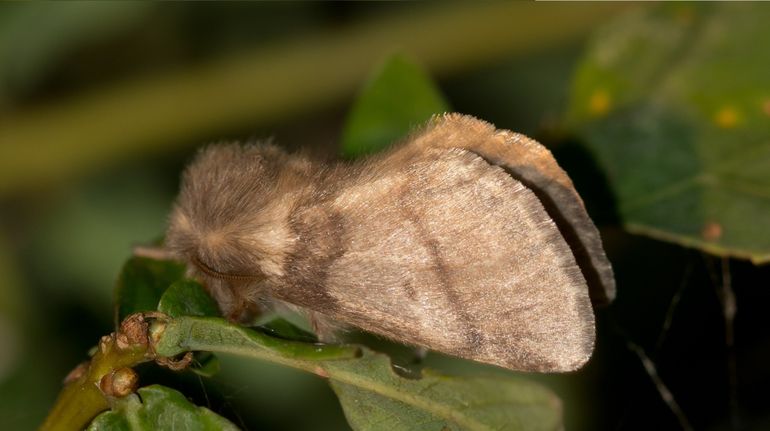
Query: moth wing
452	253
531	163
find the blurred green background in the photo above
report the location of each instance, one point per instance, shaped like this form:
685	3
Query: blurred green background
102	104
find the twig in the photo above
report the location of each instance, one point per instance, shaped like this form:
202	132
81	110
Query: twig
729	308
672	307
84	396
663	390
726	295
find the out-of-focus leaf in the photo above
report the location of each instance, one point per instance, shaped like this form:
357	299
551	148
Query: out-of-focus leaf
85	236
14	308
187	298
372	395
158	408
398	98
142	282
28	379
675	103
26	56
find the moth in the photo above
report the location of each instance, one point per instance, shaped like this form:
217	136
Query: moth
462	239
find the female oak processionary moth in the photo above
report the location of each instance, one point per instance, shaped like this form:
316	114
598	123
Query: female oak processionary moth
463	239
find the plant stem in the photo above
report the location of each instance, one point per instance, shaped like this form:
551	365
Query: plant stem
82	399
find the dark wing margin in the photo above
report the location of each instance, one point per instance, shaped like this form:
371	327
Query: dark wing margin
533	165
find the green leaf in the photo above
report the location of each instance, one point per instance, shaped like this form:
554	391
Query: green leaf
114	420
399	97
142	282
183	297
217	335
375	398
674	101
187	298
158	408
372	395
282	328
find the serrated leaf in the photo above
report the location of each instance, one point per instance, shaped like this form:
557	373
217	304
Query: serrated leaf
187	298
372	395
142	282
399	97
157	407
675	103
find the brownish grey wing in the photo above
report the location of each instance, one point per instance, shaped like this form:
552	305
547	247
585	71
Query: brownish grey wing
532	164
450	252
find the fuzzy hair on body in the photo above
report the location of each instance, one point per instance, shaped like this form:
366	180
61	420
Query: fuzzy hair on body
463	239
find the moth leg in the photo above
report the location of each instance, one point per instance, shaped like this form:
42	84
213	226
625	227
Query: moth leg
246	311
420	352
325	328
238	303
239	312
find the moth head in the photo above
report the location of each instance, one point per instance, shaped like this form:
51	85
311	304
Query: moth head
226	225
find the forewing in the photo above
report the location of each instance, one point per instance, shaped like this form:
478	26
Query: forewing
450	252
532	164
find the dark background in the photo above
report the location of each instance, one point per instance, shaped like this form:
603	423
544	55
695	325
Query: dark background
74	202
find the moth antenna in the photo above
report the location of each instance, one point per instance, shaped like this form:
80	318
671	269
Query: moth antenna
211	272
154	252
